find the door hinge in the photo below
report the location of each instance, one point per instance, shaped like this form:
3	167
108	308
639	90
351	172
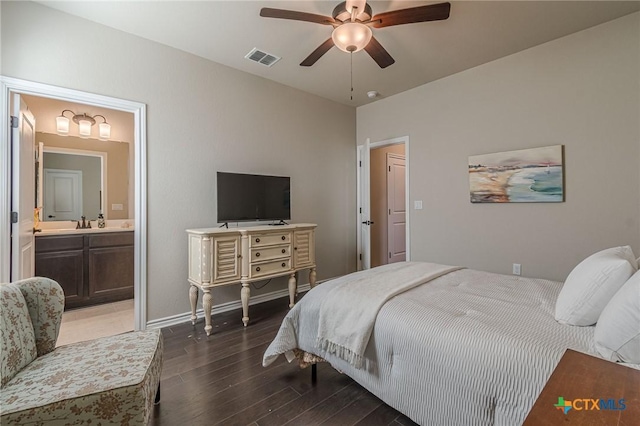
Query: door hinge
14	122
360	256
389	211
360	163
360	210
14	217
389	255
389	168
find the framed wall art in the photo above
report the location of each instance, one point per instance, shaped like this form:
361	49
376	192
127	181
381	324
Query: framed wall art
533	175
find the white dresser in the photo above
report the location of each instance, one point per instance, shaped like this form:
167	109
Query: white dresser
220	256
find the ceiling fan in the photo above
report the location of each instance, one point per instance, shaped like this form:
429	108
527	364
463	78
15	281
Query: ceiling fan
352	21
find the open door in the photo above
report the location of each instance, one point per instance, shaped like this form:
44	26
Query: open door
364	208
401	218
23	194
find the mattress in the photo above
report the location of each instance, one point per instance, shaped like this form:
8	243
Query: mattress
470	347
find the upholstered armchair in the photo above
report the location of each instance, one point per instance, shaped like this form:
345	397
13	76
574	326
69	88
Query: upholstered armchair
111	380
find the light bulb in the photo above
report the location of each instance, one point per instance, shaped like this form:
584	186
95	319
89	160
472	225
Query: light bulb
62	125
105	131
84	128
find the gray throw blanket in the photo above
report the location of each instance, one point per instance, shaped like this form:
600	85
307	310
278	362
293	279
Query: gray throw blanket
349	310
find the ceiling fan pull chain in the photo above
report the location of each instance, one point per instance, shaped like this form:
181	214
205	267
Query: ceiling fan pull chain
351	57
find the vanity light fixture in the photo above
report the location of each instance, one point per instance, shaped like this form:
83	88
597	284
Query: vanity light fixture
84	122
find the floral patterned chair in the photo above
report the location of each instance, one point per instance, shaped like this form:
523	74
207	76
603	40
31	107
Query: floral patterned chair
112	380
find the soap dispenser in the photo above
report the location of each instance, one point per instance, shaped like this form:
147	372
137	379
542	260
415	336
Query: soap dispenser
101	223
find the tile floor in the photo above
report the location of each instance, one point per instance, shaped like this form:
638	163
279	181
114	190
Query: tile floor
96	321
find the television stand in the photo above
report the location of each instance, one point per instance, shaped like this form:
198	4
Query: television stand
221	257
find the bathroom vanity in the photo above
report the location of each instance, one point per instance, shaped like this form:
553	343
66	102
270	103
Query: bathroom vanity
93	267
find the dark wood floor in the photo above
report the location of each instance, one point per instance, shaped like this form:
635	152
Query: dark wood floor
220	380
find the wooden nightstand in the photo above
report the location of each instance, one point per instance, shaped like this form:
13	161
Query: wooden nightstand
579	376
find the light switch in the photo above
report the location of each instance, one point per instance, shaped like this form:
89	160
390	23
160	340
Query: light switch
417	205
117	207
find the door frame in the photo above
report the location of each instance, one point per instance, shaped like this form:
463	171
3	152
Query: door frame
10	85
363	181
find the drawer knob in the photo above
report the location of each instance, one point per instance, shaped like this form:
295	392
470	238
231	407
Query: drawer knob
258	254
295	248
258	269
283	251
284	264
239	256
257	240
283	238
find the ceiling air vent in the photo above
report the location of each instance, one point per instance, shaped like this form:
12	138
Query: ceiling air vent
261	57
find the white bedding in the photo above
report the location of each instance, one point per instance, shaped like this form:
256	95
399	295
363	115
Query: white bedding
468	348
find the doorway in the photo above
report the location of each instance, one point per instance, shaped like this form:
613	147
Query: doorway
11	88
383	200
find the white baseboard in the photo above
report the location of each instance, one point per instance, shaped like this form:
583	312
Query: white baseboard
225	307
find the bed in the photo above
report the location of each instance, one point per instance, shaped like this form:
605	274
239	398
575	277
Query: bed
462	347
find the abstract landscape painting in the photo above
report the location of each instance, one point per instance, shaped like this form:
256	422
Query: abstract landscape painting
525	176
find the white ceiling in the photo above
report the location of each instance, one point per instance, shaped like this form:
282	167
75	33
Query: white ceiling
225	31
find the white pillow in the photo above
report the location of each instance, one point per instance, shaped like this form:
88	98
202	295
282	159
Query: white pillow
592	283
617	335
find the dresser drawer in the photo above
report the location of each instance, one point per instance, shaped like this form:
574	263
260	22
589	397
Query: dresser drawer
260	240
268	268
269	253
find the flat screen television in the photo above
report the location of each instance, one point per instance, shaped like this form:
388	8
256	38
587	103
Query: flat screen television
246	197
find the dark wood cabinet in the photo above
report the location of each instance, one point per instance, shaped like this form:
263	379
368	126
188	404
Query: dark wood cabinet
91	268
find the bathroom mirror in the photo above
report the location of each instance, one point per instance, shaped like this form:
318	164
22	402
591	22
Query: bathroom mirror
82	177
72	185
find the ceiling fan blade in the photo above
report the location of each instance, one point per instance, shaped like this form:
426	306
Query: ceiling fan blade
317	54
268	12
431	12
379	54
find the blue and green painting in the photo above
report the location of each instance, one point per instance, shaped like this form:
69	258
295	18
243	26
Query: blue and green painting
525	176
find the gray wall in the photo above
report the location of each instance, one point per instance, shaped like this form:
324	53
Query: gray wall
582	91
201	117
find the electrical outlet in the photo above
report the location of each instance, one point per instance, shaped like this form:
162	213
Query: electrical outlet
516	268
417	205
116	207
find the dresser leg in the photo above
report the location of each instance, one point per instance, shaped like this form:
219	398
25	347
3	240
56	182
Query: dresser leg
193	298
293	287
244	296
312	277
207	302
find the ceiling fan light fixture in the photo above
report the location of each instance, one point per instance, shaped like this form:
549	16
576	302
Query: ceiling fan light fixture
351	37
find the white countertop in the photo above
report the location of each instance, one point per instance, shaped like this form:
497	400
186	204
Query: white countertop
81	231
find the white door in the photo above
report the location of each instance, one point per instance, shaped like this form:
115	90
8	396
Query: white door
396	204
62	194
365	207
22	190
